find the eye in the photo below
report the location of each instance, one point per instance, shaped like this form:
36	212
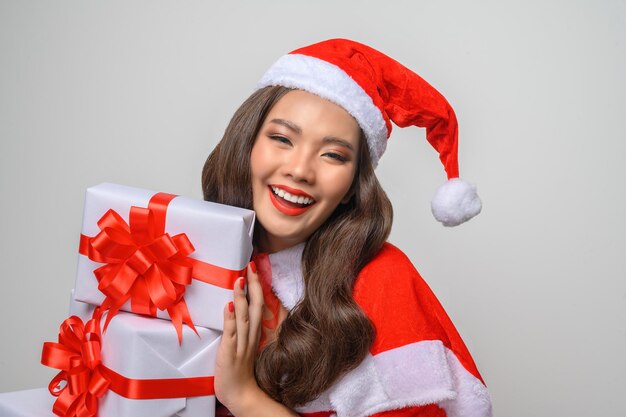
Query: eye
280	139
336	156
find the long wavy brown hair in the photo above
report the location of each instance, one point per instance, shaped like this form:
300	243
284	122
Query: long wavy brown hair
326	334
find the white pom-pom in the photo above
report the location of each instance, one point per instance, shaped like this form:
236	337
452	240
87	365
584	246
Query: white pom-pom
455	202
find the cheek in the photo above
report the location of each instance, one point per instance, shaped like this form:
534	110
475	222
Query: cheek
258	164
339	186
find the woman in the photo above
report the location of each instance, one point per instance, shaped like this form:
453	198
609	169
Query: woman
358	332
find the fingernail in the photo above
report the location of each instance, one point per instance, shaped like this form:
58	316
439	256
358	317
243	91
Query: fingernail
242	283
253	266
231	306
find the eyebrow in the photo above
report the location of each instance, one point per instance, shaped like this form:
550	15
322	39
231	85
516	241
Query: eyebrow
338	141
287	124
328	139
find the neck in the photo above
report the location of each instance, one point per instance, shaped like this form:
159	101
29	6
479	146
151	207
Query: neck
270	244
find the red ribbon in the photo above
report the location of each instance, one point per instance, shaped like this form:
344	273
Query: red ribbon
83	379
147	266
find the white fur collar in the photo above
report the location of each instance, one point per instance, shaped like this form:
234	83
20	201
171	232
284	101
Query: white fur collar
287	280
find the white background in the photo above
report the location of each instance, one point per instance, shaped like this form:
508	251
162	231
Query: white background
139	92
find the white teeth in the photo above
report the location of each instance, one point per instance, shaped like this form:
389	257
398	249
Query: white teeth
292	198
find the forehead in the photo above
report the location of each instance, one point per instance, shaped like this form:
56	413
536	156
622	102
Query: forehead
314	114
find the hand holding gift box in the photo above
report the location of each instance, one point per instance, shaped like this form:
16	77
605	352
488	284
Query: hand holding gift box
158	254
155	254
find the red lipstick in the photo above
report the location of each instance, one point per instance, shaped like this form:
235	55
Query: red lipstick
281	204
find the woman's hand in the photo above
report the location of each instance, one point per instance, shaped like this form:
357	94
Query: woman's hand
235	384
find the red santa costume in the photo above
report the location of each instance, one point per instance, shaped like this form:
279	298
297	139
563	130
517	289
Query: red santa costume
418	364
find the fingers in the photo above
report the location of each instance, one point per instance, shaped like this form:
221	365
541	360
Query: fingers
243	322
255	297
242	317
229	336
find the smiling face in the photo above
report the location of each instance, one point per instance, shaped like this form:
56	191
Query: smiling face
302	165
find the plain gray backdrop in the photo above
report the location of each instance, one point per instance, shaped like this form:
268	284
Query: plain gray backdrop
139	92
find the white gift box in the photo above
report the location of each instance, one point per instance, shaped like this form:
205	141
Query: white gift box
82	310
220	234
138	348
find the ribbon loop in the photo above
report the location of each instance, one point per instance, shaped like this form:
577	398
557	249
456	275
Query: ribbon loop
77	356
142	262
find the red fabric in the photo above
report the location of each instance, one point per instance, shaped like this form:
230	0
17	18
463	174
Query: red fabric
400	94
403	308
271	310
430	410
318	414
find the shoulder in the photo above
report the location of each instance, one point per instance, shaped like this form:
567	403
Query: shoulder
389	256
401	306
389	274
389	269
418	364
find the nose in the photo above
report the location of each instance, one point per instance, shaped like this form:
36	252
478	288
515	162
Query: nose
299	165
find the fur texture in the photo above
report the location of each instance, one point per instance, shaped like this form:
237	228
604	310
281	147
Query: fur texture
455	202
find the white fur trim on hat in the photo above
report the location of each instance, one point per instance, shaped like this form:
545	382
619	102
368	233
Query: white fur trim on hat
455	202
332	83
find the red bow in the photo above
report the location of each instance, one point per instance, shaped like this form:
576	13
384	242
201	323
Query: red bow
80	382
84	379
143	264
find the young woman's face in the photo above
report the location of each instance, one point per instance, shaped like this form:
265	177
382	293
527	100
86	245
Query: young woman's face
303	163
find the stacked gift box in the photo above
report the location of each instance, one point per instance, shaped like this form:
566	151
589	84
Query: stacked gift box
154	273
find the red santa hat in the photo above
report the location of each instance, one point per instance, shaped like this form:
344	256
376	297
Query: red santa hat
377	90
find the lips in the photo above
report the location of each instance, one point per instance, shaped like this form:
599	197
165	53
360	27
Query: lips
290	201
